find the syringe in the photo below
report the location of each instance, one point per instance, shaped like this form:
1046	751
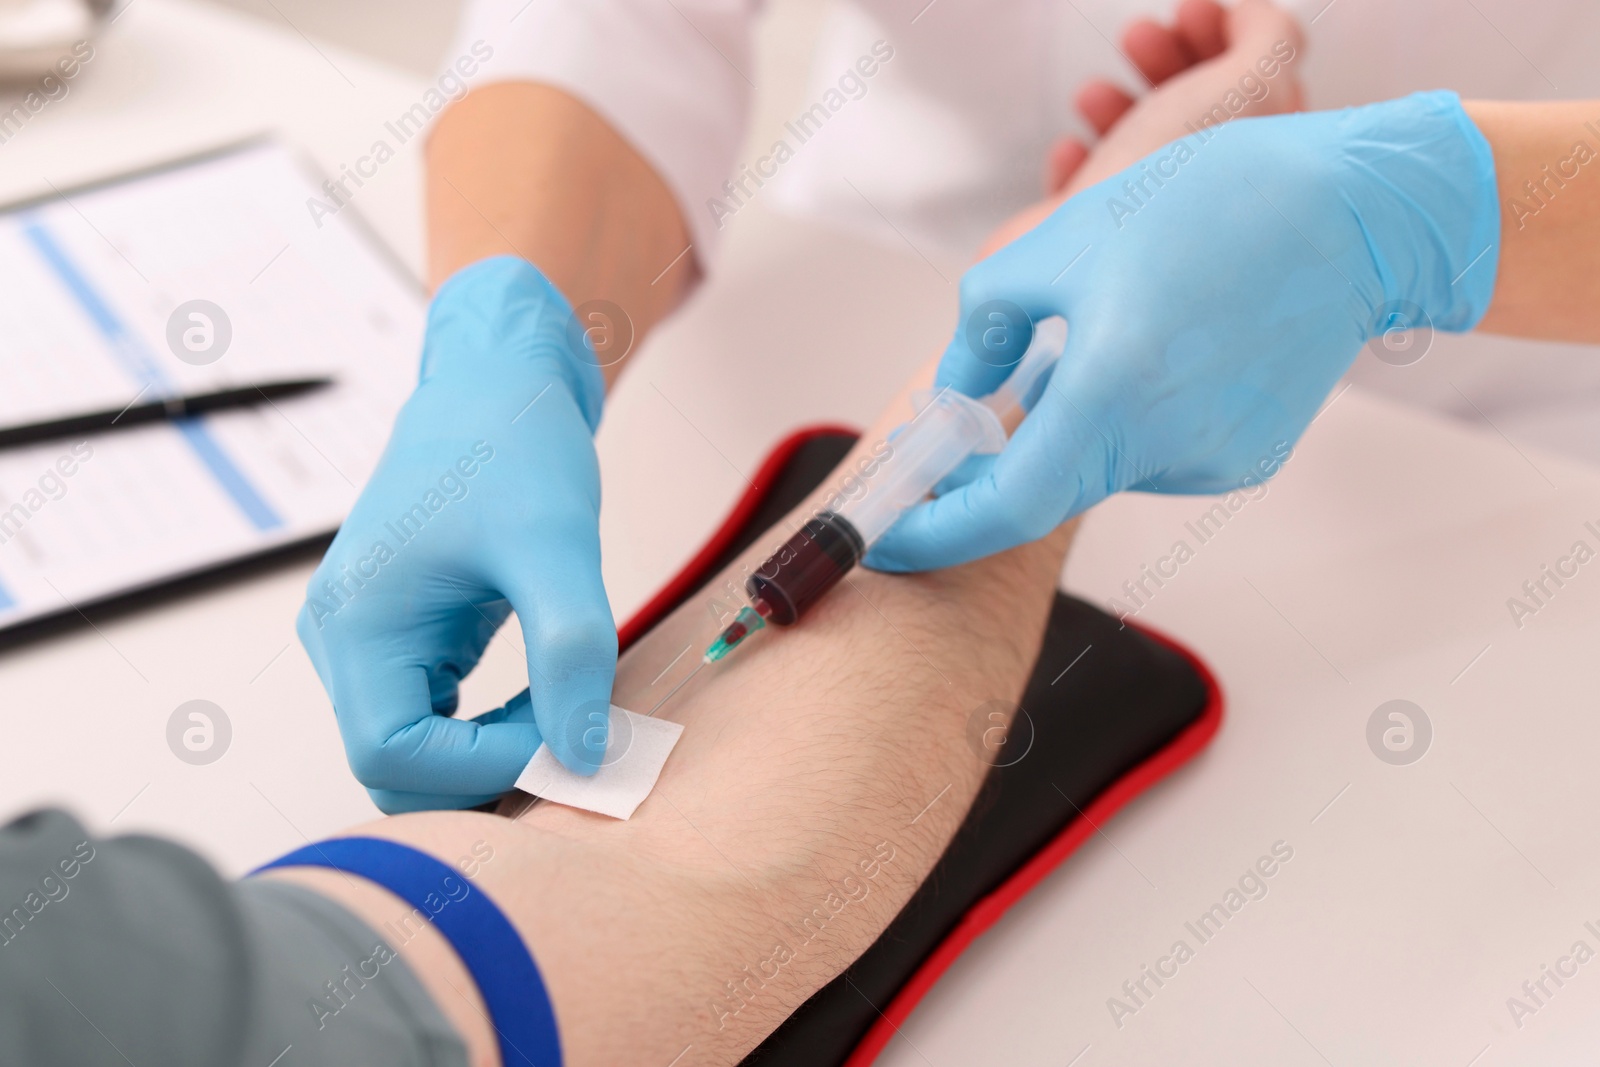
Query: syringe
948	428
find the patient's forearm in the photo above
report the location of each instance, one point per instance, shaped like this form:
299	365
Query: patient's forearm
1547	165
821	772
527	170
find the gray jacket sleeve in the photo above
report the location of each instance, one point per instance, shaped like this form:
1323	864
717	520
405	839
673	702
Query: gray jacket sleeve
134	950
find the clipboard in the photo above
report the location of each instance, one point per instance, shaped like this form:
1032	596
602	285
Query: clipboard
105	284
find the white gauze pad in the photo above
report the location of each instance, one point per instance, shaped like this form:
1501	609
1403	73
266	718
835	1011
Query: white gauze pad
637	748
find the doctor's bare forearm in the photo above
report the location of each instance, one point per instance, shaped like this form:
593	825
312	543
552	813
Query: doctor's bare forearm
1547	166
524	169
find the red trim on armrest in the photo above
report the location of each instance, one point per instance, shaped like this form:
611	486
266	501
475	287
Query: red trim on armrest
986	912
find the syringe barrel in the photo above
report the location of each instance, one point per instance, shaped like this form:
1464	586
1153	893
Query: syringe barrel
809	564
922	452
949	427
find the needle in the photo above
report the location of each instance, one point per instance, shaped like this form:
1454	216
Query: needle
675	689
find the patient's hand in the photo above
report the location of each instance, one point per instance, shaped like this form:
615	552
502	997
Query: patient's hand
1209	58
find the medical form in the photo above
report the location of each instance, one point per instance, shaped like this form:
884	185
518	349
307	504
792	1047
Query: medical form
97	284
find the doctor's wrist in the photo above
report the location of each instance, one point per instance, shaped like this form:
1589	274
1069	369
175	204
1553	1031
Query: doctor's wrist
1420	177
502	324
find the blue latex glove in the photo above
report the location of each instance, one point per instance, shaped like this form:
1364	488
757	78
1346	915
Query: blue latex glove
486	501
1230	279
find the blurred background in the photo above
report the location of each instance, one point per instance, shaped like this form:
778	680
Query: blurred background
408	33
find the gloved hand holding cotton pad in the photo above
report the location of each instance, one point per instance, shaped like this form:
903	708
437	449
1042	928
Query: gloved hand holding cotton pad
637	747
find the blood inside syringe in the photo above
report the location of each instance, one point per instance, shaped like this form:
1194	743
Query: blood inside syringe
793	578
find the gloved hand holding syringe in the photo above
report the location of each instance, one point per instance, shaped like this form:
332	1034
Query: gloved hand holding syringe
948	428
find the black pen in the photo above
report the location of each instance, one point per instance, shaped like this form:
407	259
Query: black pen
166	409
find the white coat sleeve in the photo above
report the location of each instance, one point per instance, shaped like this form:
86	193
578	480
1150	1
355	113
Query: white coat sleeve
673	77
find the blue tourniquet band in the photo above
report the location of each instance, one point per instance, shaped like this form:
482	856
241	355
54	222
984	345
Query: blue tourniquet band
489	946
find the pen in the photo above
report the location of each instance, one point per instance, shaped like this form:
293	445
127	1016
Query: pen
163	410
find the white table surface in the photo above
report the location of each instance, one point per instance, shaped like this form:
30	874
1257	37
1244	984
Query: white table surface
1377	567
